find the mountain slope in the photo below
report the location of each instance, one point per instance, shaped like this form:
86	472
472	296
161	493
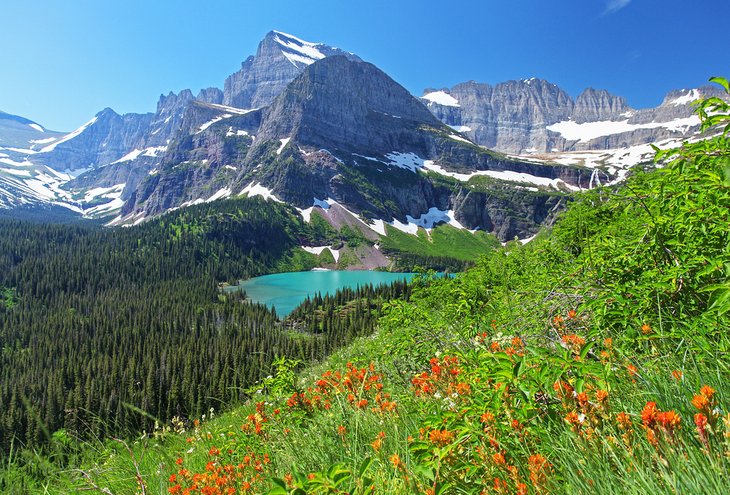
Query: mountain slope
345	133
535	116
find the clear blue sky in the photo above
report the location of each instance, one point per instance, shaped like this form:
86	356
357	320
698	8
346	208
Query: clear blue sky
63	61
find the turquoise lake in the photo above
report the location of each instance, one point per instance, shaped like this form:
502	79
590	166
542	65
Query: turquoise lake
285	291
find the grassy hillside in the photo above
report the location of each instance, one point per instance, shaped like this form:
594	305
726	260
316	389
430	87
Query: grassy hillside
592	360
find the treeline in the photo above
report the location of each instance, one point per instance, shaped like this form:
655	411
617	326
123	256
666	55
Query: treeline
346	311
408	262
100	325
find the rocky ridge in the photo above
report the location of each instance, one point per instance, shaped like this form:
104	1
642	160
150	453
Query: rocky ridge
536	116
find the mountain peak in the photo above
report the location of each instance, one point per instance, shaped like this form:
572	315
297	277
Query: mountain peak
280	58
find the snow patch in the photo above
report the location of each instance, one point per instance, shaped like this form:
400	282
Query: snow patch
68	136
378	226
298	50
132	155
237	132
588	131
441	98
112	192
42	141
221	193
409	161
459	138
691	96
37	127
284	142
257	189
317	250
211	122
461	128
106	208
506	175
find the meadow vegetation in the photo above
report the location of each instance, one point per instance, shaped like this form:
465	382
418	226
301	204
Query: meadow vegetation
591	360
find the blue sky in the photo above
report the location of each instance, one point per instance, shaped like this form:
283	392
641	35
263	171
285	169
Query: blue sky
63	61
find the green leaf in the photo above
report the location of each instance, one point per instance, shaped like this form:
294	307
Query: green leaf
722	82
366	463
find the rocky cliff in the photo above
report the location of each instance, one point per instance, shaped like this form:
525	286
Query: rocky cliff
345	132
279	59
535	116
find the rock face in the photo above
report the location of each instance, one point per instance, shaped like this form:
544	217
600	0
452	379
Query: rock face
103	145
279	59
344	130
535	116
102	140
509	116
598	104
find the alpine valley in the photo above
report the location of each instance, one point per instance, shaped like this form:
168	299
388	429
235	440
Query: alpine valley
575	342
327	133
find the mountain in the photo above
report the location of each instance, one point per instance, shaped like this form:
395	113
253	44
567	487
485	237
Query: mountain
23	182
344	134
318	128
112	153
279	59
533	116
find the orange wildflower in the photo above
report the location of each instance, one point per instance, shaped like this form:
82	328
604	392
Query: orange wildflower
701	424
649	414
623	420
677	375
440	437
701	402
645	329
707	391
487	417
669	420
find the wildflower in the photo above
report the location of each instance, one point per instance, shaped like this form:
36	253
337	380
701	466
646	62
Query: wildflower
707	391
701	402
440	437
645	329
341	430
499	459
311	476
677	375
377	444
395	461
601	396
574	420
538	467
623	420
582	399
487	417
572	314
701	424
649	414
179	461
214	451
669	420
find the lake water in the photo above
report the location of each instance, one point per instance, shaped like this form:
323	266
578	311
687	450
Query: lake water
285	291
